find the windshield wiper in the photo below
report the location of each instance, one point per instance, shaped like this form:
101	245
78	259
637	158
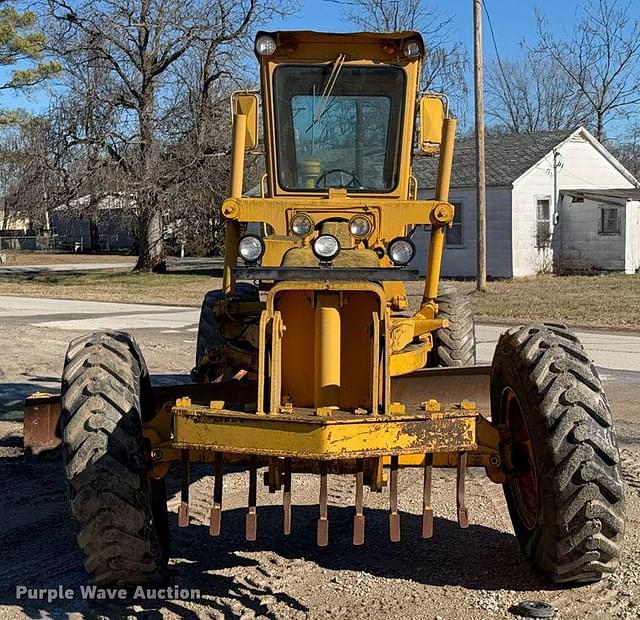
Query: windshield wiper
327	90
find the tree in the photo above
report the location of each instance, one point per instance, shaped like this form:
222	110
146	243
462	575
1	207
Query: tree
601	57
24	172
627	150
140	46
529	94
446	60
22	42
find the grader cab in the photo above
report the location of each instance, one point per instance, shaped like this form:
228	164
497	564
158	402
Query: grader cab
310	358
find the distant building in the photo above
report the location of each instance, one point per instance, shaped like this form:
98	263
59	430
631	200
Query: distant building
104	226
555	201
11	224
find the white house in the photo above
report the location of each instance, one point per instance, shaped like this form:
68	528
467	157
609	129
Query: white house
600	230
546	206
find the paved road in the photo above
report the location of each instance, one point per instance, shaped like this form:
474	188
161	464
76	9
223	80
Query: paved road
93	315
19	270
173	265
609	350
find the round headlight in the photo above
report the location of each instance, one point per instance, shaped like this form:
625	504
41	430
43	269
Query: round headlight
401	250
412	48
360	226
251	248
326	247
302	225
265	45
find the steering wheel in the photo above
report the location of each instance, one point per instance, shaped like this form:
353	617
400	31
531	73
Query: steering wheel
352	180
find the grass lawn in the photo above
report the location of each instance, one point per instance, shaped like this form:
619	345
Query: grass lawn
607	301
141	288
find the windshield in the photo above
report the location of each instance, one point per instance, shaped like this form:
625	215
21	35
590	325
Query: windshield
338	126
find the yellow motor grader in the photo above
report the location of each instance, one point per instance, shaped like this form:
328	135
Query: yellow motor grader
309	359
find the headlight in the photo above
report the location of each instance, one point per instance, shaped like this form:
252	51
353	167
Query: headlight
302	225
412	48
265	45
360	226
251	248
326	247
401	250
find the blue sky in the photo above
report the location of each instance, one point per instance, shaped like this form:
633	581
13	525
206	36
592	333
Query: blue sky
513	21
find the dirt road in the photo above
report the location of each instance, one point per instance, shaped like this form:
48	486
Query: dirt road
476	573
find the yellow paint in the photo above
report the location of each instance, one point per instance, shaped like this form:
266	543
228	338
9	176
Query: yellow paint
232	235
432	115
436	245
390	216
247	104
410	360
327	350
330	437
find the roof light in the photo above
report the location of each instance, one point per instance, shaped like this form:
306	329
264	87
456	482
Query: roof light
265	45
412	48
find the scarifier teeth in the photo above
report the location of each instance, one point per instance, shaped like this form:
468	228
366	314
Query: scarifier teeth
251	521
427	511
183	512
216	510
358	519
394	515
323	520
463	513
286	498
274	479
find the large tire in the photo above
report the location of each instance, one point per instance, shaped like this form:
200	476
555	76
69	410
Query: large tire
209	335
454	345
564	484
120	517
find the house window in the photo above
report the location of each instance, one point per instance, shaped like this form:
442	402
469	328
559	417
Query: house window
609	221
455	236
543	222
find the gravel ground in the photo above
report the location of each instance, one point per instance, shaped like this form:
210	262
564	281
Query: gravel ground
474	574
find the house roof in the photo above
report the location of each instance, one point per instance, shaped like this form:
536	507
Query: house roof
620	194
508	157
102	203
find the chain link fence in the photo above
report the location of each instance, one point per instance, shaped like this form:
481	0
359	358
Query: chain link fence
41	243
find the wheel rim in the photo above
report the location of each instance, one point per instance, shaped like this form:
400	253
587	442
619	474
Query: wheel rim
522	479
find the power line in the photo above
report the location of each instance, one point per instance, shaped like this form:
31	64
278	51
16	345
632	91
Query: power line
495	47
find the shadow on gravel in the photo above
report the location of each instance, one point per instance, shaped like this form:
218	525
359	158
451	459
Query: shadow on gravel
12	395
39	551
479	558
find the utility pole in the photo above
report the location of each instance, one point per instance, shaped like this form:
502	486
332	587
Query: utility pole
481	190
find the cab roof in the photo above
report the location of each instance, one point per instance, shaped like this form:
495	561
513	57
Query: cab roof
290	43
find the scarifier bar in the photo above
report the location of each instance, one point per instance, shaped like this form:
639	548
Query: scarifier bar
302	434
